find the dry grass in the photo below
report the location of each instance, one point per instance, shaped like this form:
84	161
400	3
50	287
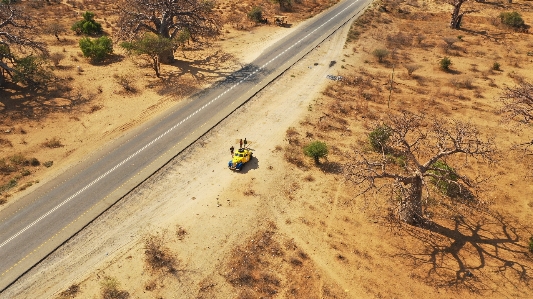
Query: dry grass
71	292
158	256
110	289
54	142
251	269
126	82
309	178
181	232
249	192
5	143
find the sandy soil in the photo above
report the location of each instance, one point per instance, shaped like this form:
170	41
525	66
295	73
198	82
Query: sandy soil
212	208
284	228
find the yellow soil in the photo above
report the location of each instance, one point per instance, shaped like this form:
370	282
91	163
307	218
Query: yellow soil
284	228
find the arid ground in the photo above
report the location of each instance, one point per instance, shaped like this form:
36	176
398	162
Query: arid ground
285	227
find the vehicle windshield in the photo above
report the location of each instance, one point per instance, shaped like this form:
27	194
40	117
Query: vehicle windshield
240	155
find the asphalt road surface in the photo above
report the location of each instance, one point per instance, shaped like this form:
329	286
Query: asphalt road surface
35	225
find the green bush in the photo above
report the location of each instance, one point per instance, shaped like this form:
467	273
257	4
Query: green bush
445	63
316	150
444	178
381	54
256	14
48	164
379	138
530	244
88	25
32	71
512	19
96	49
496	66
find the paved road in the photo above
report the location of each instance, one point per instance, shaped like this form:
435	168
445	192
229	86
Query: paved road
38	223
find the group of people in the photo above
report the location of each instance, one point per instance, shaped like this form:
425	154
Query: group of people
241	143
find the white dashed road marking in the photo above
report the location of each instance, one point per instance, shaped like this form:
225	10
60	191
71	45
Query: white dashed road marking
160	136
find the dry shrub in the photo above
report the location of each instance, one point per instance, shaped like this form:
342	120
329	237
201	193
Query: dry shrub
249	192
309	178
293	136
95	108
291	132
411	67
399	40
338	107
52	143
150	285
294	157
126	82
56	58
71	292
110	289
5	143
251	269
158	257
363	81
180	232
290	190
465	82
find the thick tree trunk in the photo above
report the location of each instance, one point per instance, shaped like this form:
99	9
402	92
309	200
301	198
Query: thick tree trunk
456	15
411	208
167	56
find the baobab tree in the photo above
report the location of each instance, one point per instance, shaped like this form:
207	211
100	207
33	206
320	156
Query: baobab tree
169	19
15	26
518	102
518	106
413	155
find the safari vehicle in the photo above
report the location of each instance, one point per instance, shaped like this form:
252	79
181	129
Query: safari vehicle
241	156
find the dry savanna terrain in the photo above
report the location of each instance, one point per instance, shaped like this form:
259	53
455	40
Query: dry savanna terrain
287	227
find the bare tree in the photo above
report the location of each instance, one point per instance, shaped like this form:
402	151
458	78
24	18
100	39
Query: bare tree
518	102
414	154
411	68
518	105
55	29
170	19
457	15
14	26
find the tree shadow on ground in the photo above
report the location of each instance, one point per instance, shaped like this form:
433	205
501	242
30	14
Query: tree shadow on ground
19	103
480	253
205	69
330	167
190	75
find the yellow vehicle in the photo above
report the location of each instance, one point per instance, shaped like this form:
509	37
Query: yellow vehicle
240	157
